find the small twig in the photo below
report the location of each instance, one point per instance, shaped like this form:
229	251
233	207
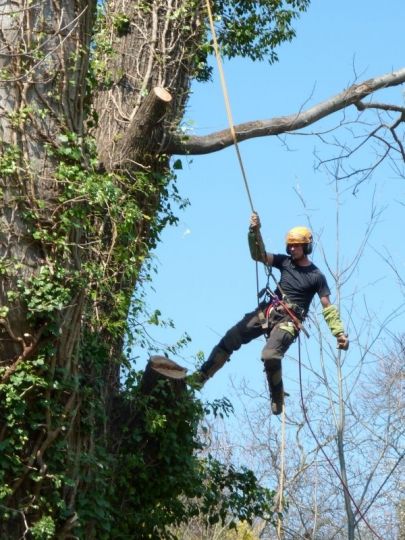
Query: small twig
383	106
29	346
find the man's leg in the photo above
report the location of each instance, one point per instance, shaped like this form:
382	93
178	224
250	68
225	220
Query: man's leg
244	331
276	346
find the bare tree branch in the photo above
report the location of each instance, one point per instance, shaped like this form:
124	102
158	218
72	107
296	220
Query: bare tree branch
219	140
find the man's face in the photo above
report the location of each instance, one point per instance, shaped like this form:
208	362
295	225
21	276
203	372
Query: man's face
296	251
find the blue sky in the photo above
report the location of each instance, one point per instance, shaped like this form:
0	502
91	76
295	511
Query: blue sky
206	279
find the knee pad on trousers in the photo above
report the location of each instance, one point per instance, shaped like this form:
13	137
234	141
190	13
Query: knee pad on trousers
271	356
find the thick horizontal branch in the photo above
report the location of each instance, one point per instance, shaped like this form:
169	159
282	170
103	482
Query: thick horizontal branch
219	140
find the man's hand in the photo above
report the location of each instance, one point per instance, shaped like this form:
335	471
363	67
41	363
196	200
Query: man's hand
254	221
343	342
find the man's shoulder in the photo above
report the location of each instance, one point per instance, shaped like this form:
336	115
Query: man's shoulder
316	269
279	259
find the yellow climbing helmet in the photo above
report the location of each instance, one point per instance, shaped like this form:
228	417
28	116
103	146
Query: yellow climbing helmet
300	235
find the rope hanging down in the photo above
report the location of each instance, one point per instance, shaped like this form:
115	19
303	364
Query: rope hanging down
320	446
280	531
242	168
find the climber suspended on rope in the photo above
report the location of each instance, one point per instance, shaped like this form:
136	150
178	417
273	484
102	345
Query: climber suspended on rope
280	315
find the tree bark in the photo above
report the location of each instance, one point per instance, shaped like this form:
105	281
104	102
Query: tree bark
157	51
143	132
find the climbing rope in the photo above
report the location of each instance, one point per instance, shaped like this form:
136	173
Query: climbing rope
280	533
320	446
246	184
244	176
228	109
227	101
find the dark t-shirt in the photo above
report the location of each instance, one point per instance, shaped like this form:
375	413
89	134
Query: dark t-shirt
300	283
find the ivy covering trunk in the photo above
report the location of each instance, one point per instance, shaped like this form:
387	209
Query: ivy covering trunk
90	98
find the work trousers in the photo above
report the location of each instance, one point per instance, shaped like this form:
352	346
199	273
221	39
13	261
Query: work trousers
280	334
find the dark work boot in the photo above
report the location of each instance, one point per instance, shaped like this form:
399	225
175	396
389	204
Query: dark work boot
277	399
214	362
197	380
272	367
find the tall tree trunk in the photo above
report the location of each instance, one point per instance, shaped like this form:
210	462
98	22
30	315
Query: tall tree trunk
44	63
65	282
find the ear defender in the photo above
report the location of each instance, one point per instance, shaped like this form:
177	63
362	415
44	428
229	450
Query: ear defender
299	235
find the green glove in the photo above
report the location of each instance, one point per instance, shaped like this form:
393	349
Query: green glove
332	319
256	246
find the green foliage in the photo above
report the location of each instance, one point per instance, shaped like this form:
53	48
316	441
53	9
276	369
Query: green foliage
98	215
235	494
46	292
219	407
164	469
19	117
9	160
249	29
43	529
121	23
99	74
32	396
253	29
164	482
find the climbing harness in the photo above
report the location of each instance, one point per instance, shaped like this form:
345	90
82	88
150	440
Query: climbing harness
273	302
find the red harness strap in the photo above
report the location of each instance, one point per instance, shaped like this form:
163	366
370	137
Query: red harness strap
297	323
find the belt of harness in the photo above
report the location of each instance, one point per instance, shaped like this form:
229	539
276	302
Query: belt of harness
274	303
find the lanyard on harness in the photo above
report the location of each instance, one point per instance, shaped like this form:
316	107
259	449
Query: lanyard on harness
276	301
